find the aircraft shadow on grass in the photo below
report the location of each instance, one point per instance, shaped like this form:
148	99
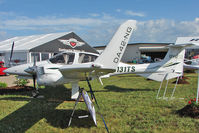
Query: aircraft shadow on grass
35	110
119	89
21	91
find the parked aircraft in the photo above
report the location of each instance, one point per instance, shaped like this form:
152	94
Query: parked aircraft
170	67
74	66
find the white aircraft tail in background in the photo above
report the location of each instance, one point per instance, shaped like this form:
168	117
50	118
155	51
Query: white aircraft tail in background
170	67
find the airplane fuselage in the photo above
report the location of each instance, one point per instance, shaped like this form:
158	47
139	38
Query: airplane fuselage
48	72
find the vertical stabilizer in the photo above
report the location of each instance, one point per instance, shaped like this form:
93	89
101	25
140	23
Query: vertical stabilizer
114	51
173	62
170	67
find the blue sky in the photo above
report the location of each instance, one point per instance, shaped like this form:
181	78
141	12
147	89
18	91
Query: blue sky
96	21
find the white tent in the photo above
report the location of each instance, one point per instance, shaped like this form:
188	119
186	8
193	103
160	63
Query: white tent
42	46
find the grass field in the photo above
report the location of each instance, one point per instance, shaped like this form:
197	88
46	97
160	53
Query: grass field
128	104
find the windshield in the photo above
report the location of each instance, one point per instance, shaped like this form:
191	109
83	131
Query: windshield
64	58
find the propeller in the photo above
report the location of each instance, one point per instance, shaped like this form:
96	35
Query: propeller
35	93
33	70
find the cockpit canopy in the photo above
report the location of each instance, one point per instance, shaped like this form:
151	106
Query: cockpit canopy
68	58
84	58
63	58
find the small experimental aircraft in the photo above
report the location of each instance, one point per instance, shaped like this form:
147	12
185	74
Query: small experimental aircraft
74	66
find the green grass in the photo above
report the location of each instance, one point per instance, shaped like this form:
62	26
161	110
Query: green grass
128	104
3	85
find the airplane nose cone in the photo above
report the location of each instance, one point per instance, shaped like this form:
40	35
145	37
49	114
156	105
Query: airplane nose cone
18	70
10	71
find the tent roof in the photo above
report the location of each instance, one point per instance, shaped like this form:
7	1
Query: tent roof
42	43
25	43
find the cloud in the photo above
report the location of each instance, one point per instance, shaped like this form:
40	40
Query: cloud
164	30
118	10
94	14
52	21
132	13
42	25
197	19
6	13
49	24
99	30
3	35
151	31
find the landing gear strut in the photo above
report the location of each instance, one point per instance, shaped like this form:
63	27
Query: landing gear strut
35	92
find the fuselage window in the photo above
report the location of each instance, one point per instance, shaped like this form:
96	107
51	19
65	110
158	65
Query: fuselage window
84	58
64	58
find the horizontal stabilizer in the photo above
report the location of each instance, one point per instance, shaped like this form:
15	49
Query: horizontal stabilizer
187	40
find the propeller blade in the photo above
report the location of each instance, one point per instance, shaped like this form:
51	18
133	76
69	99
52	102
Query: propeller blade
11	52
34	81
33	71
35	92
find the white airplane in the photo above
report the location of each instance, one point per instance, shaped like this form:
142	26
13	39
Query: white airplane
190	63
74	66
170	67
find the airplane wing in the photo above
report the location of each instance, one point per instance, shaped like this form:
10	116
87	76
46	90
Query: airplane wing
81	71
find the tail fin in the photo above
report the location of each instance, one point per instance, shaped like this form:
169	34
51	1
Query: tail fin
113	52
175	56
173	62
171	66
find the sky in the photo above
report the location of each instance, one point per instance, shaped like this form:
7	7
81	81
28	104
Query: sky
96	21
